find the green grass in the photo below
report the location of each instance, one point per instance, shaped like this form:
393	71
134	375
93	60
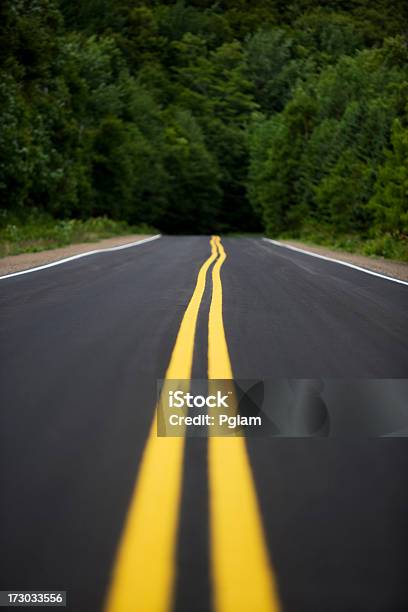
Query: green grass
386	246
40	232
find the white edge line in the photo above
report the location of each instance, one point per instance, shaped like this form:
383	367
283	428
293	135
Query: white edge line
61	261
338	261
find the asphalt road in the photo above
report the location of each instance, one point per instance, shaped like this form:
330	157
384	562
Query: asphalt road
81	348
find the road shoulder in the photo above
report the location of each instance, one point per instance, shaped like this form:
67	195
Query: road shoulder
388	267
25	261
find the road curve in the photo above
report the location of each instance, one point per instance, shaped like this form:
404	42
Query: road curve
82	346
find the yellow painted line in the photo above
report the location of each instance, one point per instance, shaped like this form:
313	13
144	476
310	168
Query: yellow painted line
243	579
144	572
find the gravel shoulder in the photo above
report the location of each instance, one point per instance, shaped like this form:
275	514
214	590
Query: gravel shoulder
388	267
24	261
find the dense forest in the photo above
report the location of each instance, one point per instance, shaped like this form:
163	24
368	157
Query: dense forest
280	116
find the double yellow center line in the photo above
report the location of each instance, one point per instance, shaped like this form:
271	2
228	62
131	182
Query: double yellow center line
144	572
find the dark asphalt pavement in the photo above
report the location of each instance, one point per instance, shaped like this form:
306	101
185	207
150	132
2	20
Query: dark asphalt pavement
81	348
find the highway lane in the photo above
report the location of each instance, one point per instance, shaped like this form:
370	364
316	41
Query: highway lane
334	511
82	345
309	317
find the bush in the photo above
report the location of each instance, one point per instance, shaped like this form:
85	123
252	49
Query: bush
38	232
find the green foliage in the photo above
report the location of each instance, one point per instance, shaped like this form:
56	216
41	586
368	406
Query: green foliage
390	200
37	231
385	245
207	116
193	178
329	157
270	57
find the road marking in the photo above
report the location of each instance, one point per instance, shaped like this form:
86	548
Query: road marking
143	576
338	261
243	579
61	261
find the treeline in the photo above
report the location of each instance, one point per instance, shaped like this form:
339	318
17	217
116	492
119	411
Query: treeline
332	159
207	116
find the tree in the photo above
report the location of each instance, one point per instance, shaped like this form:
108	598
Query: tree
390	200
